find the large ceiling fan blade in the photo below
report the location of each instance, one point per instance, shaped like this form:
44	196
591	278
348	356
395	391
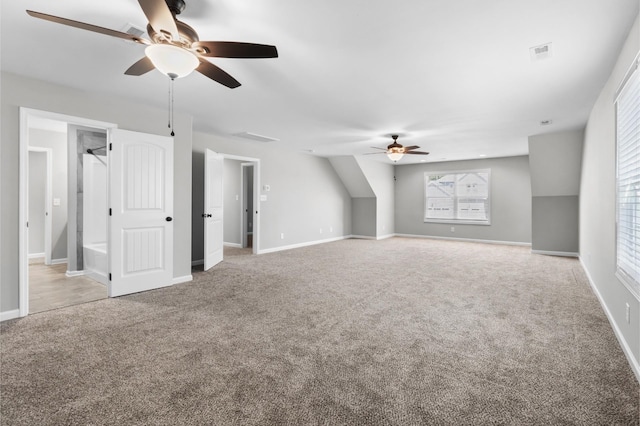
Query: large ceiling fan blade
88	27
417	152
375	147
143	66
409	148
160	17
217	74
233	49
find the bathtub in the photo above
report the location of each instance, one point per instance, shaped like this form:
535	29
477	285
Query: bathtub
95	261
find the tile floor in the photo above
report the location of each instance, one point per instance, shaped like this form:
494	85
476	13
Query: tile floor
50	288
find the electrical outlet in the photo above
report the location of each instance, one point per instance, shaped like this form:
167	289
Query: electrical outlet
453	229
628	314
321	230
282	236
331	229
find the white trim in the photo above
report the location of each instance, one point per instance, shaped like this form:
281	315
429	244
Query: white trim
233	245
9	315
384	237
183	279
361	237
470	240
300	245
36	256
197	262
556	253
71	274
59	261
634	363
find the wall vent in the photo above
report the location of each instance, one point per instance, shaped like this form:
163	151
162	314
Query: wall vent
538	53
546	122
255	137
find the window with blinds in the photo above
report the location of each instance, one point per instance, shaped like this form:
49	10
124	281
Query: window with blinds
628	181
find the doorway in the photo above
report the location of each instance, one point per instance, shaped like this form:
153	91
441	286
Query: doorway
50	203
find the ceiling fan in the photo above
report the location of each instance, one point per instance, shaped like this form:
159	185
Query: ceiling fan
395	151
174	48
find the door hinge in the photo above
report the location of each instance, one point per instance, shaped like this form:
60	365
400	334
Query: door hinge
109	276
111	146
110	212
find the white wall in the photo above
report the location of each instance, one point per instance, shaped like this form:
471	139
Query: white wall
510	201
598	206
19	91
306	193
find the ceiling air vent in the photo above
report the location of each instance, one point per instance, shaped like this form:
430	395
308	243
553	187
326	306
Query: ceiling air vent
255	137
133	30
540	52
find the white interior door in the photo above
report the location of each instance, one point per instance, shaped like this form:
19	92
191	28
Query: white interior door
213	209
141	208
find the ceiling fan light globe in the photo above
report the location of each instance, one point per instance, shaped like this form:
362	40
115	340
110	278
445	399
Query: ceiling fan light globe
395	156
172	61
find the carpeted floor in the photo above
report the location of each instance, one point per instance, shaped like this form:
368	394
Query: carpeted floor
356	332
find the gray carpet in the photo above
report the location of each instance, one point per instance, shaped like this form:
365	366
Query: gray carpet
393	332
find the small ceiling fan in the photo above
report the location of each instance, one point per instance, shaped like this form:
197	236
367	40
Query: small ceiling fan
174	48
395	151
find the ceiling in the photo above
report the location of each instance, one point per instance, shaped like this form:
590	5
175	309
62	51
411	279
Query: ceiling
454	77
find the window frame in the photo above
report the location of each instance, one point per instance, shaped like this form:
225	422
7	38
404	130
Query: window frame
456	197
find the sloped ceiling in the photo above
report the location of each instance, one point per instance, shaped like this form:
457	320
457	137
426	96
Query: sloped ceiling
454	77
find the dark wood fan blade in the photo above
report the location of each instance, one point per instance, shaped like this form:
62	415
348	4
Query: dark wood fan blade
217	74
88	27
417	152
409	148
143	66
160	17
233	49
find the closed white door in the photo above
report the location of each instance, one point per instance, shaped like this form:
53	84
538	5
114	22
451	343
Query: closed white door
141	212
213	209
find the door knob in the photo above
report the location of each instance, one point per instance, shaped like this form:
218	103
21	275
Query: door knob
206	215
169	219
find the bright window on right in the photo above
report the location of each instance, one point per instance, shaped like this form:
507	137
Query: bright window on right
628	181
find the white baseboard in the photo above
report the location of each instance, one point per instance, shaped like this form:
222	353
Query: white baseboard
634	363
9	315
233	245
556	253
362	237
469	240
74	273
58	261
197	262
36	255
294	246
183	279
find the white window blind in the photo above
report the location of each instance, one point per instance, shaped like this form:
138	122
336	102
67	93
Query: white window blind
628	183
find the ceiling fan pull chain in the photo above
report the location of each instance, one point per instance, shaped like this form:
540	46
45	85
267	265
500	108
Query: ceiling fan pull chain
171	116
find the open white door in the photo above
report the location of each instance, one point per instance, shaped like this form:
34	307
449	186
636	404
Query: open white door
141	208
213	203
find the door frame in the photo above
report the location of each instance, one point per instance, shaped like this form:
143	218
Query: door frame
23	214
48	200
244	232
255	249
